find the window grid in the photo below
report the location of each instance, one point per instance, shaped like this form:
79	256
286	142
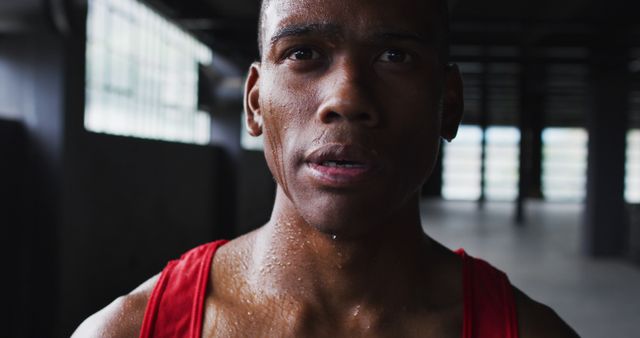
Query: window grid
502	163
461	165
632	179
564	164
142	75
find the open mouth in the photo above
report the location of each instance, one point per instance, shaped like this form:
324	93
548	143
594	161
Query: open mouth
342	164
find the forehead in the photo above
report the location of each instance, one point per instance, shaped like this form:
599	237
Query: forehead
352	16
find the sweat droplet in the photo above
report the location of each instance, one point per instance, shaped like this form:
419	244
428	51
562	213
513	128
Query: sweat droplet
334	237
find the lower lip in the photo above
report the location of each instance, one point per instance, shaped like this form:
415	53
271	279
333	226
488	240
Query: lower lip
339	176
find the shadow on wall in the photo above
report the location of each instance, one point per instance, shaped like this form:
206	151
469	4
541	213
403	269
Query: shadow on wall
130	206
12	240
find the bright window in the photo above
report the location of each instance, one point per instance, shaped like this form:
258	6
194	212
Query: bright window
142	75
564	164
502	163
461	165
632	181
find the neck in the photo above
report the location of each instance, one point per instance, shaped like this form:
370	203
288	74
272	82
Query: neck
294	258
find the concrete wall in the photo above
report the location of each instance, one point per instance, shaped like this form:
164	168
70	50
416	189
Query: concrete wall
33	67
256	191
12	181
87	217
130	205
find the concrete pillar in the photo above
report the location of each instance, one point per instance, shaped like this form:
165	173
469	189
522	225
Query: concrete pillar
605	222
530	123
36	100
484	124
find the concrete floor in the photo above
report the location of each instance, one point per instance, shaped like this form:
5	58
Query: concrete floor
599	298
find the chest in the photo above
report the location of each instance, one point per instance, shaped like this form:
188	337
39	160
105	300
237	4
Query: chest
280	321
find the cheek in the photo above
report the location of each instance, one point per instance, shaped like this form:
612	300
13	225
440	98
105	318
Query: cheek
284	116
273	141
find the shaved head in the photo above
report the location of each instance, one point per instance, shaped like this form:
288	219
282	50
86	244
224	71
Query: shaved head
442	15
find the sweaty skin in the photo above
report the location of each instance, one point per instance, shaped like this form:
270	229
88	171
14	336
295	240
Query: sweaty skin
352	98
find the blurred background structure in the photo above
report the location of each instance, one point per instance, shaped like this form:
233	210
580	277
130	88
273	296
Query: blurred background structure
122	146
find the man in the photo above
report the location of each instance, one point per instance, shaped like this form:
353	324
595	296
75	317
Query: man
352	98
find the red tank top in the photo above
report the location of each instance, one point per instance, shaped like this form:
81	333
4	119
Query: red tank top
175	307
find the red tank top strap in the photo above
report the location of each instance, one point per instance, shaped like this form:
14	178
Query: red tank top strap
489	304
175	307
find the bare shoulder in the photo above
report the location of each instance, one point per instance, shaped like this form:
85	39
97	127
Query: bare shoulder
120	319
538	320
232	257
230	264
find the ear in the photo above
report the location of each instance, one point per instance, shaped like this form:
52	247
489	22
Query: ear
253	115
453	102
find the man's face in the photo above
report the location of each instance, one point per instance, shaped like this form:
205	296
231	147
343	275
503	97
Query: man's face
348	96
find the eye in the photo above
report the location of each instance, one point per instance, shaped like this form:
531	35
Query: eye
395	56
303	54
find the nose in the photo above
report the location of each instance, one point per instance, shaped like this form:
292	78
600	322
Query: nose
348	97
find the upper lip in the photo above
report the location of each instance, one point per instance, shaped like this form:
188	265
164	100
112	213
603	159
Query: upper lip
342	152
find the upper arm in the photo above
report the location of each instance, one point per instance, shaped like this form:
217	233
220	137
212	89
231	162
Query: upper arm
539	320
120	319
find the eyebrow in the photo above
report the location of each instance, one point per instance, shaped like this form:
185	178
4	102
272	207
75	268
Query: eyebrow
305	29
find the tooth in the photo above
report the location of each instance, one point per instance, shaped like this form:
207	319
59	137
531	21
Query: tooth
341	164
331	164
